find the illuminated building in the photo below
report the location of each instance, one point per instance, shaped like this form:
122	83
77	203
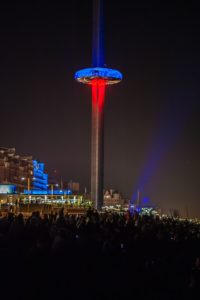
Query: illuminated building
74	186
7	189
98	77
21	171
113	198
40	179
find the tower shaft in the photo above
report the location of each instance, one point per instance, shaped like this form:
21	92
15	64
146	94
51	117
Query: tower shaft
98	92
98	34
97	147
98	77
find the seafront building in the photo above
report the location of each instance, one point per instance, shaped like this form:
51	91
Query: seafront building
21	170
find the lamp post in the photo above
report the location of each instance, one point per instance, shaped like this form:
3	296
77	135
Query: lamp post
28	185
51	191
52	188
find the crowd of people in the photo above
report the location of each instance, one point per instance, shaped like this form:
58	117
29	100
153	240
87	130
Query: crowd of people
99	256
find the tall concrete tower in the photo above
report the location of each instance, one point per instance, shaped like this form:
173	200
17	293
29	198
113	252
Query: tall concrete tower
98	77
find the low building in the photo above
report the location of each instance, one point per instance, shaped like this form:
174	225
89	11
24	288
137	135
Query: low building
74	186
113	198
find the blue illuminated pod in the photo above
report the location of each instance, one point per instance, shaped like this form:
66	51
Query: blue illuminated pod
109	75
98	70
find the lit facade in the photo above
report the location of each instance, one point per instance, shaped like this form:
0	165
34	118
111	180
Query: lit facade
40	179
113	198
21	171
7	189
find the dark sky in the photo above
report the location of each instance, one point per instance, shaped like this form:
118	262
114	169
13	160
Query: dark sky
151	119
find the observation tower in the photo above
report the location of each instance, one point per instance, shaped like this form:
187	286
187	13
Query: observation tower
98	77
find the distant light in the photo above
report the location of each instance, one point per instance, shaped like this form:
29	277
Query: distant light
68	192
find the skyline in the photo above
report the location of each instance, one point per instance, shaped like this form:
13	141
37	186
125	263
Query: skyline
152	116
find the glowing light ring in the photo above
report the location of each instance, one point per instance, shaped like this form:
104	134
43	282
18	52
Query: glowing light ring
109	75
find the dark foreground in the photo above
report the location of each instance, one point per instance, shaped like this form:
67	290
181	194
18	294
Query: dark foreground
94	256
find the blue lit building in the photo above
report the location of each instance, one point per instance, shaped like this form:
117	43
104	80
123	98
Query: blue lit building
40	179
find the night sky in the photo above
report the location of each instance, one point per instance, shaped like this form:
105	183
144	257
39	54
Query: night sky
152	122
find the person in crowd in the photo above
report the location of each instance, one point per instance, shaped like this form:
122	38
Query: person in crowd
162	255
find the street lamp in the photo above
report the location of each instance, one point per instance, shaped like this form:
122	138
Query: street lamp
28	183
52	189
